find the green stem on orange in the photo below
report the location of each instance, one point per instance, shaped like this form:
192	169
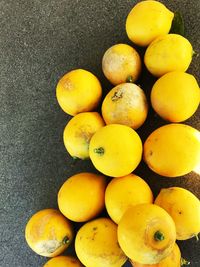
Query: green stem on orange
184	262
100	151
129	79
197	237
158	236
66	240
194	54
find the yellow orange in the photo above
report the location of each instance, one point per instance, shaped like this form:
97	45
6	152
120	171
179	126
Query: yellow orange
81	197
96	244
148	20
48	233
172	260
115	150
175	96
184	208
121	63
78	132
78	91
146	233
173	150
63	261
167	53
124	192
125	104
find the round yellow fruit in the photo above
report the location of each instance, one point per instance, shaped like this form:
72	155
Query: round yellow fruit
121	63
63	261
81	197
115	150
146	233
78	132
184	208
173	150
48	233
125	104
124	192
175	96
96	244
172	260
78	91
148	20
167	53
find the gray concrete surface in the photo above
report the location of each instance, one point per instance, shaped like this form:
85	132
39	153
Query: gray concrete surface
40	40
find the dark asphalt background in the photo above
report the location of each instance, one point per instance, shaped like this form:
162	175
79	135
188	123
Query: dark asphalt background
39	42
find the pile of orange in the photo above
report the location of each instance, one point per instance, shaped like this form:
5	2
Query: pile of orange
138	227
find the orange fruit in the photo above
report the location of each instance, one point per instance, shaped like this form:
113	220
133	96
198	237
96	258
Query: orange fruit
175	96
172	260
167	53
81	197
124	192
63	261
96	244
125	104
184	208
78	132
78	91
173	150
146	233
121	63
148	20
115	150
48	233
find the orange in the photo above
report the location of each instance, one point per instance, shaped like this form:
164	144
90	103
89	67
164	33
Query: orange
78	91
115	150
63	261
96	244
146	233
48	233
184	208
125	104
172	260
173	150
121	63
148	20
167	53
81	197
124	192
175	96
78	132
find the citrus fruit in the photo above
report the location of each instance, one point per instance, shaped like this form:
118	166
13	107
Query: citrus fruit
146	233
126	191
78	132
172	260
81	197
173	150
121	63
125	104
63	261
78	91
175	96
115	150
167	53
96	244
48	233
184	208
148	20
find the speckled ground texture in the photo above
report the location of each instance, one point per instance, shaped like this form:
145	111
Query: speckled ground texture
39	42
